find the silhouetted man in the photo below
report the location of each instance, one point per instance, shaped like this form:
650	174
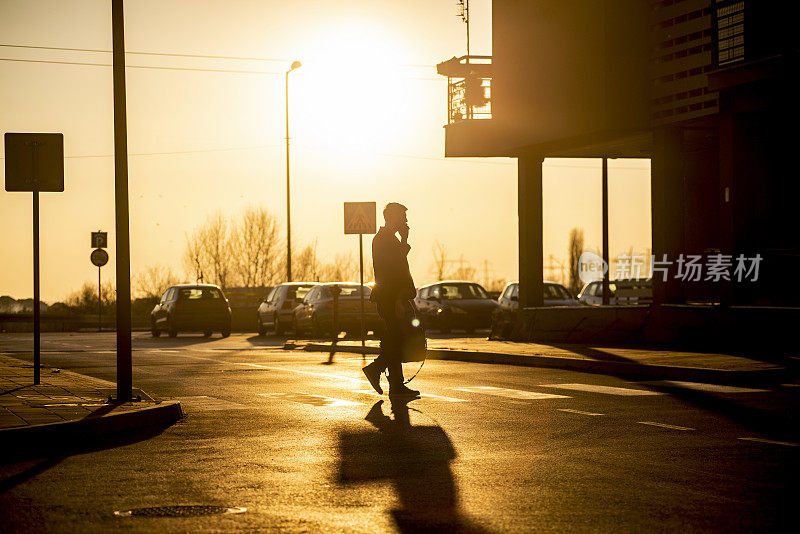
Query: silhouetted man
394	288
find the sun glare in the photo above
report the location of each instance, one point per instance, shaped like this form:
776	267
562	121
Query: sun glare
348	95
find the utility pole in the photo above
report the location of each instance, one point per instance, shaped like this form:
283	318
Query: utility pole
294	65
123	260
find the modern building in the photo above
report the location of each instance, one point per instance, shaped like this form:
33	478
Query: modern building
708	90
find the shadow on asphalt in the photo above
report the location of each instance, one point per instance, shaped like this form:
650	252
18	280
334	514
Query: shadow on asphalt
778	425
416	459
47	455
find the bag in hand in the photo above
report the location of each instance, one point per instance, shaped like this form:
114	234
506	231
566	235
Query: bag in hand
415	346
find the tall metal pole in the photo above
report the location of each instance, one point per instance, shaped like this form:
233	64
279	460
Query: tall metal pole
36	296
123	259
361	271
288	201
37	331
606	279
99	303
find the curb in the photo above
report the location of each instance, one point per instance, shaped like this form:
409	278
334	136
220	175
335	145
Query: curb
664	372
161	414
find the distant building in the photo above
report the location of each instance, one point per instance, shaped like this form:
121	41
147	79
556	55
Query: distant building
707	89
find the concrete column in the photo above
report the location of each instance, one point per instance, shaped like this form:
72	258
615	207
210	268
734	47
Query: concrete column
531	248
666	197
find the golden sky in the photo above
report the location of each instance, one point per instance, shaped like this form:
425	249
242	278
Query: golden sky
367	111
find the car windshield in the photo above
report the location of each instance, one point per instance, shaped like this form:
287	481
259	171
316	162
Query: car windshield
352	291
555	292
463	292
298	292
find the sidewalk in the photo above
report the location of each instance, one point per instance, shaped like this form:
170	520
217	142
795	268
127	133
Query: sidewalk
647	362
68	405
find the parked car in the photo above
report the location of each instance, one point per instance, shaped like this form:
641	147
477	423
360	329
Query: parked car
456	304
194	308
621	292
554	295
315	313
276	312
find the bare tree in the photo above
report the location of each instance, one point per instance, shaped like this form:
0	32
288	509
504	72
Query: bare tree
85	299
439	260
575	251
192	256
343	268
208	251
255	247
216	248
304	264
154	280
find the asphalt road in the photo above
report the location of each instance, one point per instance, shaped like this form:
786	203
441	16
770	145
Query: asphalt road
308	447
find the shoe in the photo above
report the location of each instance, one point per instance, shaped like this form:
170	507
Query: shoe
374	377
403	391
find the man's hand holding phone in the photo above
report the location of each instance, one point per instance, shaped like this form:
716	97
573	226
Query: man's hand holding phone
403	231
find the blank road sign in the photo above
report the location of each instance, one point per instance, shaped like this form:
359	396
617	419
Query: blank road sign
34	161
359	218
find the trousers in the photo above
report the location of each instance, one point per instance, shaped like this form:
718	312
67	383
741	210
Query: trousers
392	340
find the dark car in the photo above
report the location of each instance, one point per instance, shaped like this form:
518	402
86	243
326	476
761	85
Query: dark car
191	308
315	313
277	310
449	305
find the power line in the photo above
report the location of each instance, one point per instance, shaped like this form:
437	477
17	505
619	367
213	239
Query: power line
305	147
171	54
196	69
140	66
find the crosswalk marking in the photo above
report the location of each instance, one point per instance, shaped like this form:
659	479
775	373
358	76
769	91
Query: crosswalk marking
773	442
511	393
312	400
422	395
607	390
577	411
664	425
714	388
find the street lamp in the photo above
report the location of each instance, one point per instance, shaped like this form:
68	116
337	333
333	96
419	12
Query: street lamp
295	65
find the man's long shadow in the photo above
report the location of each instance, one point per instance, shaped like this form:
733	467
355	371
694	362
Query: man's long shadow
416	459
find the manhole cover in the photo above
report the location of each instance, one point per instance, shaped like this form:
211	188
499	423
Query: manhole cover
180	511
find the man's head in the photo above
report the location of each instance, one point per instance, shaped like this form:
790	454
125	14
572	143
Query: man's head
395	216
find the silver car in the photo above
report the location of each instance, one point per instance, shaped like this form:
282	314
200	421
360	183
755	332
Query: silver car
276	312
554	295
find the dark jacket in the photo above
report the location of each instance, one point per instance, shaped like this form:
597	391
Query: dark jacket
392	277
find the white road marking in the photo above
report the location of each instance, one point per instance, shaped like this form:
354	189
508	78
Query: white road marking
790	385
312	400
511	393
714	388
259	366
578	411
663	425
773	442
606	390
374	393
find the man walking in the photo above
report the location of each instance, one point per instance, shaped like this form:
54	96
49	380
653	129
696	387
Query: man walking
394	288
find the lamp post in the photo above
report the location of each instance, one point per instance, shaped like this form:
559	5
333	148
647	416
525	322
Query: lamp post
295	65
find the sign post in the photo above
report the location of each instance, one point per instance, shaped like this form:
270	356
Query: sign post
99	258
359	218
35	162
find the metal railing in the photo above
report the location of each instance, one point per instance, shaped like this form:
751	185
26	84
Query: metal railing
469	87
462	96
